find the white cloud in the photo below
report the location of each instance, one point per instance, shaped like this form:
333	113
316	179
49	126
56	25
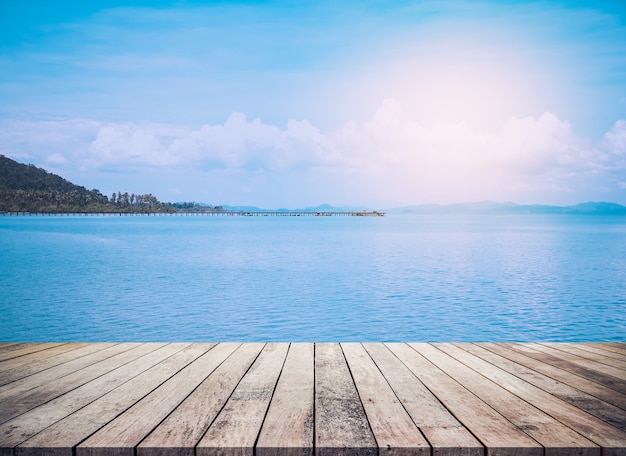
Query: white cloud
127	144
392	156
616	138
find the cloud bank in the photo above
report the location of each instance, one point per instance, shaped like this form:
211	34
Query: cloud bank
390	159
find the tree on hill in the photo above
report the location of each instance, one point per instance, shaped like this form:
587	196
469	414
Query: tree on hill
26	188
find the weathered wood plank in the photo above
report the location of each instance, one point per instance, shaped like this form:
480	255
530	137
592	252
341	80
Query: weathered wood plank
288	426
10	346
25	426
60	438
34	365
27	349
395	433
52	375
569	366
570	378
22	401
584	362
611	439
616	348
237	427
39	355
604	350
618	368
341	427
584	401
442	430
181	431
164	399
550	433
497	433
126	431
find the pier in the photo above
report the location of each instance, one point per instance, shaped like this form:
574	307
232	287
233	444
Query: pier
304	398
208	213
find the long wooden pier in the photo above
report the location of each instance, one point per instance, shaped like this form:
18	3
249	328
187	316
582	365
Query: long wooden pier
207	213
304	398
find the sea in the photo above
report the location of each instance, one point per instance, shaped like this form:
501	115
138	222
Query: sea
498	278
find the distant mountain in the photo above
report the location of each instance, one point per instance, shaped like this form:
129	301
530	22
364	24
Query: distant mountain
329	208
242	208
490	207
320	208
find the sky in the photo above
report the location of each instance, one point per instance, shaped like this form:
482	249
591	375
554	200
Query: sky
289	104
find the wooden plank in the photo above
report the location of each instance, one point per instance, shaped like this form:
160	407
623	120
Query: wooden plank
125	432
615	347
39	355
60	438
10	346
23	386
591	387
25	426
602	349
611	439
27	349
151	403
569	366
618	368
550	433
72	352
237	426
22	401
395	433
341	426
181	431
288	426
584	362
494	431
584	401
442	430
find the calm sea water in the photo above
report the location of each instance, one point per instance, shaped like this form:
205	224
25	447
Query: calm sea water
397	278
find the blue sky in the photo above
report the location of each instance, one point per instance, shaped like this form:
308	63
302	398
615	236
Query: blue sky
292	104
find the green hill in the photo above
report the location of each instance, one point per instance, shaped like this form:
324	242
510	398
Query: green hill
26	188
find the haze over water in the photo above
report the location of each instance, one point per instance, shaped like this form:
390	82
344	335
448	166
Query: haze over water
398	278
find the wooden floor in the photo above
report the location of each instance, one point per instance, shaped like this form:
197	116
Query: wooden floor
326	398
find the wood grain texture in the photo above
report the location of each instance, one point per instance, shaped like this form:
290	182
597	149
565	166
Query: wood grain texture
442	430
617	348
27	395
25	349
288	426
126	431
617	368
69	432
600	432
579	398
341	426
546	430
236	428
181	431
604	350
25	426
568	365
300	399
598	368
36	365
395	432
496	432
32	358
540	364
